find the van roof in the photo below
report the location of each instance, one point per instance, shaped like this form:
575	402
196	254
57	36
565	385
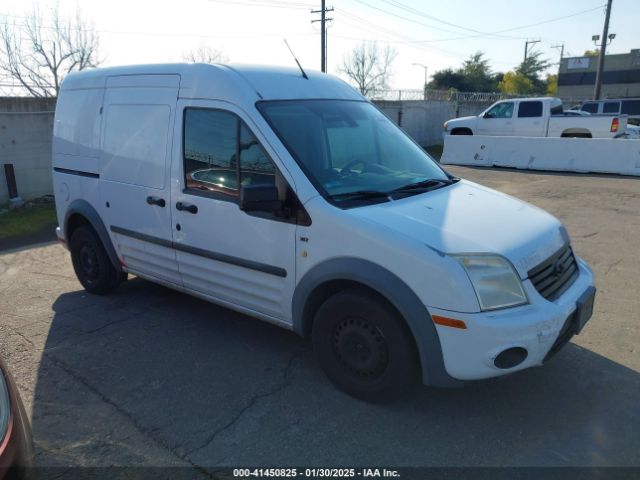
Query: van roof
227	82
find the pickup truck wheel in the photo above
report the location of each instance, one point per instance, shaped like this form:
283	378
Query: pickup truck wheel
91	262
363	346
461	131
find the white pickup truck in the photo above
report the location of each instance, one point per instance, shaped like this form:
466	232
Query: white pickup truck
535	117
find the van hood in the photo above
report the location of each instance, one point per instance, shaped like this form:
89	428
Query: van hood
469	218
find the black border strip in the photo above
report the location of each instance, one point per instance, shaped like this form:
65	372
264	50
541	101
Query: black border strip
220	257
76	172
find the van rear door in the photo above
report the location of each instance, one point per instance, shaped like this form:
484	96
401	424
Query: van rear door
135	165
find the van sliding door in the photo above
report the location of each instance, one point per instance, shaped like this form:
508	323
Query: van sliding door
138	115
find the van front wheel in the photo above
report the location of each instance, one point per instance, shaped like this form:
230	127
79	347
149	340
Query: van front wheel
364	346
91	262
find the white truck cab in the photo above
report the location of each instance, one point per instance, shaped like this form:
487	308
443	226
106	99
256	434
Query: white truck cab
295	200
535	117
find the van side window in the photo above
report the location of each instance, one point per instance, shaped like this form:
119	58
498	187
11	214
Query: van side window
590	107
611	107
256	167
530	109
210	152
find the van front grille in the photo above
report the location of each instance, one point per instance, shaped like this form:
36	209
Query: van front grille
556	274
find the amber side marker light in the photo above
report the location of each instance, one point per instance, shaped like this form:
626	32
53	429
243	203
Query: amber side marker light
449	322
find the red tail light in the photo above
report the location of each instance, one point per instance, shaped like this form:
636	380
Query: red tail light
614	125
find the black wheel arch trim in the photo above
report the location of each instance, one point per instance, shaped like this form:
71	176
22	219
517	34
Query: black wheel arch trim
396	292
85	209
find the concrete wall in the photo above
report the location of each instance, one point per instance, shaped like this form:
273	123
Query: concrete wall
26	126
423	120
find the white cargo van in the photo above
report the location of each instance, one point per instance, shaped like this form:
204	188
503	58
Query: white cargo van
296	201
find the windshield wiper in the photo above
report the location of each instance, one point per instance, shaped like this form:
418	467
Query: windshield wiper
359	195
424	185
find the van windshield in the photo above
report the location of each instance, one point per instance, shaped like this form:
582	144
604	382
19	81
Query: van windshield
351	151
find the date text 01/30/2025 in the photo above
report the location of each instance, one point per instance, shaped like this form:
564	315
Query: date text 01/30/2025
315	473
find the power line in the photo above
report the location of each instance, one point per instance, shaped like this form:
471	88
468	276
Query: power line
497	33
268	4
406	8
153	34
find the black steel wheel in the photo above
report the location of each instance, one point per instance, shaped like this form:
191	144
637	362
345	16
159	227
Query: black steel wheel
91	262
363	345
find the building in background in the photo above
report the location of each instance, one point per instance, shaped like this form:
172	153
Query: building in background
621	77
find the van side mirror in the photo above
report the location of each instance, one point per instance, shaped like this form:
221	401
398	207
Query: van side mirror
259	198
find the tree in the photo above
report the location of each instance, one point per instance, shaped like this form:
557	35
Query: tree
40	53
592	53
369	67
203	53
532	68
473	76
516	83
552	85
477	73
448	79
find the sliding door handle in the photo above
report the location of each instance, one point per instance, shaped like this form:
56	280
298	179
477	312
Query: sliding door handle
186	207
156	201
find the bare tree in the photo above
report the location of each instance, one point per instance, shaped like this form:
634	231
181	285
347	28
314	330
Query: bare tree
39	53
203	53
369	67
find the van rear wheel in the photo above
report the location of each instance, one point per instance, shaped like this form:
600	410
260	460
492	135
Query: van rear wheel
364	346
91	262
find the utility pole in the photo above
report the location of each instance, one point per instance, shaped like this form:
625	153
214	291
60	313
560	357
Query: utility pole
603	47
323	33
561	47
526	47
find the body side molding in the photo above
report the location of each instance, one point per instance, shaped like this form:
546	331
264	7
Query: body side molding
220	257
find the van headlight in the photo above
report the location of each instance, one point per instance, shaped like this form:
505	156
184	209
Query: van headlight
494	279
5	407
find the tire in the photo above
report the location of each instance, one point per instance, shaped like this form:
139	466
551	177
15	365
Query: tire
363	346
91	262
462	131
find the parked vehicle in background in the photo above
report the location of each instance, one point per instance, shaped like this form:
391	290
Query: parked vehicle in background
615	106
293	199
632	132
15	432
535	117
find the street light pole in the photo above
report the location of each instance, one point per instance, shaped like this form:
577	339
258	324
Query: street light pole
425	77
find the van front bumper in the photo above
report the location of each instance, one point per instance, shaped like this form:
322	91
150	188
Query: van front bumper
541	328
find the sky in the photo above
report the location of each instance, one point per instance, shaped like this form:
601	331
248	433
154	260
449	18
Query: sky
438	34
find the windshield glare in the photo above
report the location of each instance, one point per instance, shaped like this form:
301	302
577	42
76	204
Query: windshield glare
348	146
